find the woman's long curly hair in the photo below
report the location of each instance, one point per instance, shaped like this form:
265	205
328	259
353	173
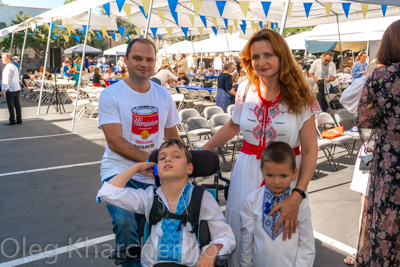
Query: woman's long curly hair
294	90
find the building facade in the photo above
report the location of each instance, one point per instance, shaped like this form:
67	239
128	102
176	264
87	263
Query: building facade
8	13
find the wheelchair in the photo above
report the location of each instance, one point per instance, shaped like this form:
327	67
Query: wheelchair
206	163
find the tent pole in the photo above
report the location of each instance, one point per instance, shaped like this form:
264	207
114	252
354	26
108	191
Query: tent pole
23	46
148	19
80	72
227	43
44	66
191	41
368	51
201	55
340	43
285	13
12	40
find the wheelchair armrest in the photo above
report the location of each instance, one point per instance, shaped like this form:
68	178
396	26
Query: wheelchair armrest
123	255
222	260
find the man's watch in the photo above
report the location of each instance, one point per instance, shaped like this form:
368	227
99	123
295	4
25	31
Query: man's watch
301	192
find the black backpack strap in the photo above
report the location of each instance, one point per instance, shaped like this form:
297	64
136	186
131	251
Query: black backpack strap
157	211
194	208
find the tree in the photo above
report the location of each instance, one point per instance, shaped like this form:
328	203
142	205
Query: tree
295	30
68	1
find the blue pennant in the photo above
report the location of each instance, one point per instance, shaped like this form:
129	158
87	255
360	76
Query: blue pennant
106	7
220	6
266	6
127	36
81	31
120	4
159	36
113	36
214	30
185	31
243	26
346	8
175	16
154	31
384	7
142	9
54	36
203	19
32	33
84	28
52	26
98	35
172	5
121	30
261	24
78	38
226	23
61	27
307	8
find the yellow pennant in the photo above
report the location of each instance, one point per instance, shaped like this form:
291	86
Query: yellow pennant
269	25
328	7
364	7
89	37
104	30
290	8
47	25
214	19
132	36
257	26
253	26
127	9
69	28
66	38
191	17
230	29
138	30
235	23
197	5
42	35
169	30
244	5
161	15
92	32
200	29
146	6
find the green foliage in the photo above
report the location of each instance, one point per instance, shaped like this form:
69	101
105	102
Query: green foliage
291	31
68	1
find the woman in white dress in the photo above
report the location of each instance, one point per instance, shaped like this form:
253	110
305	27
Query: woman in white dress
275	104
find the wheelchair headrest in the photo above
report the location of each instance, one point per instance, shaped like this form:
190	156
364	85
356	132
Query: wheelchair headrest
205	162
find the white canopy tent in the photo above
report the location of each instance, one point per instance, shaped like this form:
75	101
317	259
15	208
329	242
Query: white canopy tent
96	22
119	50
181	47
297	41
80	48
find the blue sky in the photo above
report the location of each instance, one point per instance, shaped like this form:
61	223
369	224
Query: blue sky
35	3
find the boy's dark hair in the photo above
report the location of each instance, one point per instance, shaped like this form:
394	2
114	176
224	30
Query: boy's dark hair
180	145
279	153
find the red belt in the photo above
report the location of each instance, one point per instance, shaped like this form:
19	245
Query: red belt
250	149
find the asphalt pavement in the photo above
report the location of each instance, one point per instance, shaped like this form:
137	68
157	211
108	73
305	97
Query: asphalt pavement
49	177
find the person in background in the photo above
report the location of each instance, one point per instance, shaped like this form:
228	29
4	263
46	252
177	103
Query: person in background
359	66
182	79
218	64
210	71
191	71
172	62
16	62
378	109
163	76
124	73
76	70
346	76
10	88
190	61
110	63
225	90
48	75
242	76
235	85
91	72
183	64
201	71
26	77
87	60
97	77
68	70
121	63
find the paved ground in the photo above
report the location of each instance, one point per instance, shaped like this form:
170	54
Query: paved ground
49	177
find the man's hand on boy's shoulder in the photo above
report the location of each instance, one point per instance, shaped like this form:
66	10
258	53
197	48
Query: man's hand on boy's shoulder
207	259
145	168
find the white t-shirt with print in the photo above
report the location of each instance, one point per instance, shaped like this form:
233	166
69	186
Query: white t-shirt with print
143	117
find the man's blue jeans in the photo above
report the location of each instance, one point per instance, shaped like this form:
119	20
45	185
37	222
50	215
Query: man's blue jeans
126	224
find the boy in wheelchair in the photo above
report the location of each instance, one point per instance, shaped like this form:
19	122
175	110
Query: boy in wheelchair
172	239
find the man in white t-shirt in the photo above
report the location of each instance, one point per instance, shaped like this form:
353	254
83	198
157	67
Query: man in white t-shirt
135	115
10	88
218	64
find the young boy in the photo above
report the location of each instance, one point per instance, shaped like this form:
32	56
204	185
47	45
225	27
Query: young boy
259	246
168	242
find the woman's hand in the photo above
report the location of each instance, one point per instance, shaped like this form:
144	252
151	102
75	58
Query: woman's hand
289	212
207	259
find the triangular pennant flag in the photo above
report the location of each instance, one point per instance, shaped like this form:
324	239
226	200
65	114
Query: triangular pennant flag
121	31
127	9
261	24
69	28
78	38
120	4
214	19
290	8
47	25
364	8
235	22
269	25
384	7
132	36
252	26
66	38
106	7
104	30
92	32
138	30
175	16
42	35
230	29
113	36
127	36
61	27
30	33
84	28
200	29
169	30
328	7
146	6
142	9
172	5
226	23
54	36
191	17
161	15
203	19
81	31
37	28
220	6
214	30
98	35
52	26
265	6
346	9
197	6
185	31
276	25
89	37
154	31
307	8
243	26
244	5
257	26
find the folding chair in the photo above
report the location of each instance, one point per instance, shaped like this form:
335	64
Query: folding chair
343	115
229	109
205	98
187	113
187	101
197	127
172	91
81	103
209	111
214	96
196	100
178	99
